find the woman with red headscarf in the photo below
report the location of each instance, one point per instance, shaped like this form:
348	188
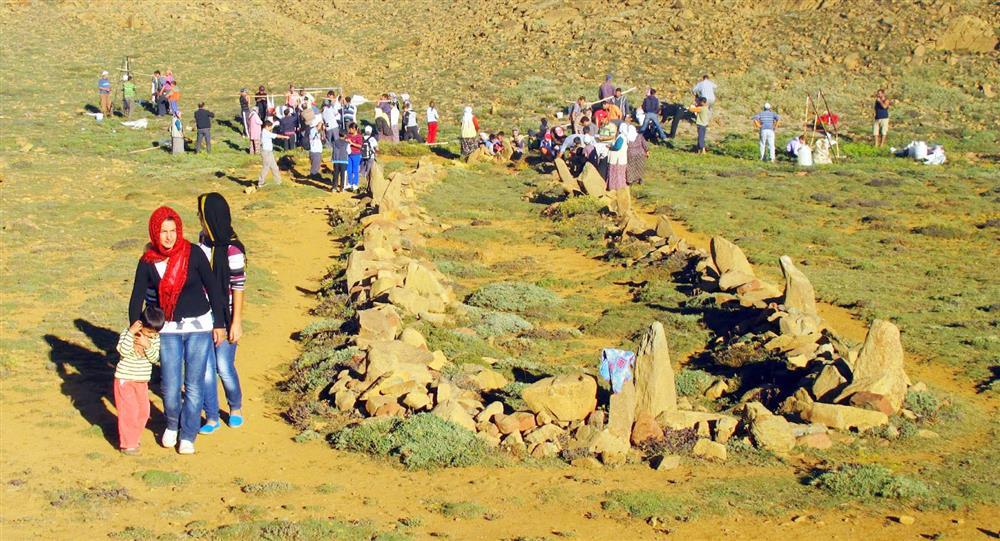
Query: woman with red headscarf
176	278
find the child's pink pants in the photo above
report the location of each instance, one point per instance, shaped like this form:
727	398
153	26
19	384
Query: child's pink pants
132	403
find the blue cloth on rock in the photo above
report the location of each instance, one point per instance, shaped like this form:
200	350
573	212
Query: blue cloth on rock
616	367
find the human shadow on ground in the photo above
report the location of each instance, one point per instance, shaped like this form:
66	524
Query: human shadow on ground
444	152
88	375
287	162
238	128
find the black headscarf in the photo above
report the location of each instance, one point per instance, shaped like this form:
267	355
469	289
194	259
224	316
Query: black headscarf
219	235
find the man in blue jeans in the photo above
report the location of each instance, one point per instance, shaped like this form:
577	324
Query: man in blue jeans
766	121
651	107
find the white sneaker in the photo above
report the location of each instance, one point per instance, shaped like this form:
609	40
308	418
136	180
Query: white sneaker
186	448
169	438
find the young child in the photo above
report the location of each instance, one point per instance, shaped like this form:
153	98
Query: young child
132	376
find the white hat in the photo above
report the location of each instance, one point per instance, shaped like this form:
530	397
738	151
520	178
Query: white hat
104	72
368	130
767	106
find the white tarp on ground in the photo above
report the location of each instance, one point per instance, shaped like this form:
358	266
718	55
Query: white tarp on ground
140	124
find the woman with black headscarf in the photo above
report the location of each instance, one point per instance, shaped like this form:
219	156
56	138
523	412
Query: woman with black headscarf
227	256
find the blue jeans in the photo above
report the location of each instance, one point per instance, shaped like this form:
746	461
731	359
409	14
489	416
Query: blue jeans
651	118
182	359
353	169
223	364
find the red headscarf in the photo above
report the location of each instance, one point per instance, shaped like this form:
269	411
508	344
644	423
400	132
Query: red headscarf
177	258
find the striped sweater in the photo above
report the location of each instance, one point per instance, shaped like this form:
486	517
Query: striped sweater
132	366
237	269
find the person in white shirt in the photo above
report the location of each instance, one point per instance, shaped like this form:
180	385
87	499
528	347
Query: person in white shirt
331	120
315	138
270	165
432	123
705	89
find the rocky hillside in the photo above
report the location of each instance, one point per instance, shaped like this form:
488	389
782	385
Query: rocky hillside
939	58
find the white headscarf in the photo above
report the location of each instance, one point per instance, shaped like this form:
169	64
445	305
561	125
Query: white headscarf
467	115
631	134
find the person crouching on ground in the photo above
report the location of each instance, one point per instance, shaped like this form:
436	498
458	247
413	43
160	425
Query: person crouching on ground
132	377
227	257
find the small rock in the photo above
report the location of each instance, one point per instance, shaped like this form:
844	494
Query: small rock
706	448
666	462
905	520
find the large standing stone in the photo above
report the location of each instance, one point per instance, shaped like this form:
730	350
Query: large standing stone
879	368
566	179
422	281
729	257
569	397
663	227
591	182
378	184
621	411
799	292
654	377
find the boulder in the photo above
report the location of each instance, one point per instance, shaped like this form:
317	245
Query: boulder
409	300
568	397
654	377
815	441
591	181
645	428
681	419
400	359
611	449
833	415
724	428
879	368
379	323
663	227
622	201
490	411
768	431
799	293
967	33
452	411
508	424
729	257
734	279
417	400
480	378
542	434
666	462
871	401
413	337
707	448
828	384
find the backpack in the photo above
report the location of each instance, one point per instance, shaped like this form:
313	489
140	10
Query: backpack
366	149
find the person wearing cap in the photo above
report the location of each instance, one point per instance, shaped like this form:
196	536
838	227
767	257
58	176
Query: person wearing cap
203	121
104	92
606	90
315	136
766	121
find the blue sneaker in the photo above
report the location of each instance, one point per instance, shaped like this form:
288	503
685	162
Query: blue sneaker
235	421
208	428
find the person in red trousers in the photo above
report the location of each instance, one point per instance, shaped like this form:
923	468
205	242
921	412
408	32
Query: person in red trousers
432	123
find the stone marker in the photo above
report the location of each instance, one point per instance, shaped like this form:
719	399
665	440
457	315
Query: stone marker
729	257
568	397
799	292
879	368
653	375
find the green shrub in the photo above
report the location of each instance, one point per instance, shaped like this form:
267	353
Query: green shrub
691	382
461	509
404	149
741	452
940	231
316	367
866	481
500	323
247	511
133	533
421	441
512	297
510	395
644	504
267	487
372	437
157	478
428	441
579	205
924	403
